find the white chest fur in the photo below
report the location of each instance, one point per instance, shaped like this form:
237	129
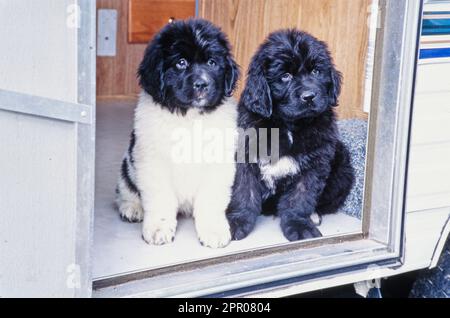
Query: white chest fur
189	149
284	167
185	164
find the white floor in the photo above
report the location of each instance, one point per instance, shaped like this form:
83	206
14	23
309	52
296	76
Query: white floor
118	246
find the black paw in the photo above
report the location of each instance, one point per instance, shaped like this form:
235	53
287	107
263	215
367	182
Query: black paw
296	230
241	225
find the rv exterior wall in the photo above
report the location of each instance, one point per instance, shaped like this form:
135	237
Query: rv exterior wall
47	113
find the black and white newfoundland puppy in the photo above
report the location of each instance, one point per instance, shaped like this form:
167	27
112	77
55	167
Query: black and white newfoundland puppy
187	77
292	85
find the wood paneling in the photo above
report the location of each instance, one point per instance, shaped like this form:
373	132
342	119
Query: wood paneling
146	17
341	23
117	75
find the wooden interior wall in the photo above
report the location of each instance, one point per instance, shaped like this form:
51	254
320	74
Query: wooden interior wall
341	23
147	17
117	75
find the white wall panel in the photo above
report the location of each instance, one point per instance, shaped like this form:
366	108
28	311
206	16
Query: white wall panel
37	205
429	165
431	122
39	48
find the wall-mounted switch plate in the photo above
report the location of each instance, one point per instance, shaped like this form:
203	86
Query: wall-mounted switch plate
107	32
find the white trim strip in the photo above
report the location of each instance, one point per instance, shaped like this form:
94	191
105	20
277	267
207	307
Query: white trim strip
45	107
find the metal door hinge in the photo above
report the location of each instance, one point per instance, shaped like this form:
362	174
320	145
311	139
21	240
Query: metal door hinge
369	288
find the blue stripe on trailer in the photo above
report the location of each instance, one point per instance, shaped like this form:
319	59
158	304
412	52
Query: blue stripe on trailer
436	12
434	53
436	27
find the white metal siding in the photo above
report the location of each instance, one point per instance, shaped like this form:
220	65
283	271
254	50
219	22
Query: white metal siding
46	146
429	166
39	48
37	222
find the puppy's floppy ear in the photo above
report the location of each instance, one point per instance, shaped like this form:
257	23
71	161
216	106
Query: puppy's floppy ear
231	76
150	71
335	87
256	96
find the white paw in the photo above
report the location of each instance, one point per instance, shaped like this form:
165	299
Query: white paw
316	219
267	176
159	232
214	236
131	211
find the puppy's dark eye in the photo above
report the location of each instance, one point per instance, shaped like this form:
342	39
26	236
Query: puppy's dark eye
182	64
286	77
315	72
211	63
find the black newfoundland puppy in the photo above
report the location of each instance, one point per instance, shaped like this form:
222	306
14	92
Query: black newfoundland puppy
292	85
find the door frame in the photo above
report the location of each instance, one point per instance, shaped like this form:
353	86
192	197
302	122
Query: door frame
379	245
86	145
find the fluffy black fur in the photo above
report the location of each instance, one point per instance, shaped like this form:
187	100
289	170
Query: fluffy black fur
292	85
189	64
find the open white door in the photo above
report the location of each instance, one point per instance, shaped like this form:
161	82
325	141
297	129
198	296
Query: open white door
47	140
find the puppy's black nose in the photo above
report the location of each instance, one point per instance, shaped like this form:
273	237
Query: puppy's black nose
308	96
200	84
